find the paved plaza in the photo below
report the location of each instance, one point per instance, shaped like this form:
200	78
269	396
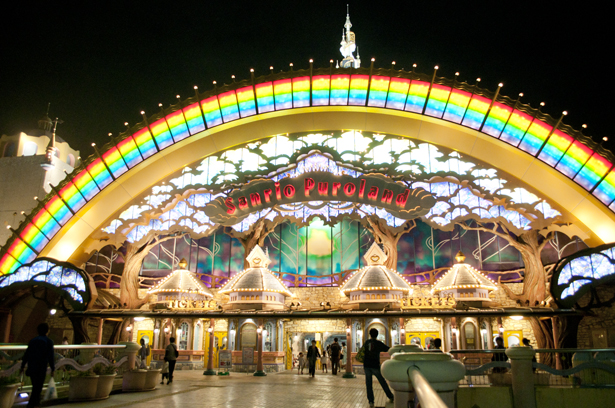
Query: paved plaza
286	389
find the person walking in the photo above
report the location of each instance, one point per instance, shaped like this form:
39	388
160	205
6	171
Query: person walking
371	366
312	355
499	341
336	351
38	355
324	360
170	355
301	363
143	353
343	356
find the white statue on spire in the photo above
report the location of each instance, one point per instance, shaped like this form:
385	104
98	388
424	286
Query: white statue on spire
348	45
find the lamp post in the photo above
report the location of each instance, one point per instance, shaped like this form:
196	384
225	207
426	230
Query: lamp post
259	347
210	351
348	373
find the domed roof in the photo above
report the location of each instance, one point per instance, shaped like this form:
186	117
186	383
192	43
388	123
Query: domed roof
463	276
257	278
181	281
375	276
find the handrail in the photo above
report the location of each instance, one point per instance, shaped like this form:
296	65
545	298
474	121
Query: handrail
67	347
427	396
562	350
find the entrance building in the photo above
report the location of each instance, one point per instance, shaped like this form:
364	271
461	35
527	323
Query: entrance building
321	203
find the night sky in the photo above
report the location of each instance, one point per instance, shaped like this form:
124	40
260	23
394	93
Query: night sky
101	63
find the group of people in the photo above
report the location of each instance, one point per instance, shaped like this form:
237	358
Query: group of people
334	353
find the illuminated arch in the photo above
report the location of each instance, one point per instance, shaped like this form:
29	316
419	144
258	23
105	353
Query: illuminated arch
556	161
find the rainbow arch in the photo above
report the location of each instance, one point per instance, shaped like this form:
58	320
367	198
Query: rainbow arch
528	130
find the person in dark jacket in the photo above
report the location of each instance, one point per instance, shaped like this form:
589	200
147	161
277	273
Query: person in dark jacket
312	355
371	366
499	341
38	356
170	355
336	351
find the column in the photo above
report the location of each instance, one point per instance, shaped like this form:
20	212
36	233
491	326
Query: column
349	373
259	347
522	376
7	327
558	357
210	350
100	331
402	330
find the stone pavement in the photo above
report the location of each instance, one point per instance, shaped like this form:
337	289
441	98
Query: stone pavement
286	389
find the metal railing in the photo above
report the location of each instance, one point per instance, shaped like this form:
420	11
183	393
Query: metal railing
427	396
591	367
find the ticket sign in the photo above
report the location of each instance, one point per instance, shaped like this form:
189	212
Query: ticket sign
247	355
225	359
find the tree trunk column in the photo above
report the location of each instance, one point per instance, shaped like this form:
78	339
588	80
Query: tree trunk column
210	350
259	347
349	343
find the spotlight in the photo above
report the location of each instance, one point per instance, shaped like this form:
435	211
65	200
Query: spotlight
52	312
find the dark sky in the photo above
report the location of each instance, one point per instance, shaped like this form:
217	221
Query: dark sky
101	63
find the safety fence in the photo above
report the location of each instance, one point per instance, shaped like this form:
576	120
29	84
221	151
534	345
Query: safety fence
565	368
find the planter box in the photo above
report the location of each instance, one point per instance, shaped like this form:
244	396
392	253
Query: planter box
83	388
7	395
152	378
134	380
104	386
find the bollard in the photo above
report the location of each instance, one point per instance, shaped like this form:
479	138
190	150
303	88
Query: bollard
524	395
440	369
131	351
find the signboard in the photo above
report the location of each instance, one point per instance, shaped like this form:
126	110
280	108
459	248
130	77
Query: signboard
225	359
434	302
372	189
191	304
247	355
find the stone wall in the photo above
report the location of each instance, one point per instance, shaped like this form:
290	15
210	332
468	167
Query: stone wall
601	323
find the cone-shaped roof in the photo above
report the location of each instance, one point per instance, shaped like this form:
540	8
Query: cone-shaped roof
181	281
375	276
257	278
463	276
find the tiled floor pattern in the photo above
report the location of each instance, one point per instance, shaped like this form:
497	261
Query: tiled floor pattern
287	390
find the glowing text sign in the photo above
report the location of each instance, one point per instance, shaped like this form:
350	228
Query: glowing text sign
374	190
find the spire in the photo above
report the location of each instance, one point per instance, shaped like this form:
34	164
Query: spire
45	122
348	45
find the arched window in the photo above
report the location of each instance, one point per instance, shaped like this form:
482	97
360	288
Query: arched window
10	150
269	338
197	342
70	160
29	149
469	336
382	334
183	336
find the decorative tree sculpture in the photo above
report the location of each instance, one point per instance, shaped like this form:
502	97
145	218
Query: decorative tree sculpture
135	254
387	236
254	236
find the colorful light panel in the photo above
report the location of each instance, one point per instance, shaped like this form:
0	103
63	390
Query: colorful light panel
516	127
417	96
574	159
161	134
339	89
378	91
177	125
358	89
264	97
283	92
438	98
194	118
246	101
228	106
301	92
457	105
498	116
535	137
211	111
320	90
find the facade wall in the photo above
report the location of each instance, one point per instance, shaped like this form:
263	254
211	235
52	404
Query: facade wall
598	330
